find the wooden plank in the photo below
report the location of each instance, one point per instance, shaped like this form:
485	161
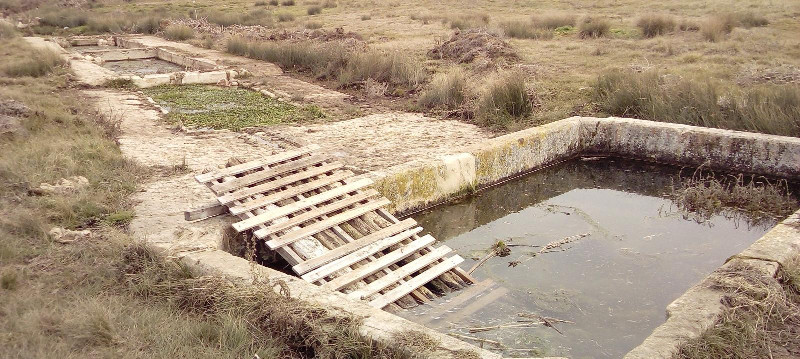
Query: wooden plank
468	294
358	255
318	212
476	304
320	226
252	165
207	210
348	248
400	273
379	264
285	181
266	174
300	205
416	282
288	193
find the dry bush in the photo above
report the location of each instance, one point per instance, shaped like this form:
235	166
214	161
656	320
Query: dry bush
525	30
329	4
228	18
313	25
749	19
467	21
761	317
393	68
446	90
41	63
773	109
688	25
654	25
593	27
716	27
148	25
314	10
285	17
504	101
467	45
178	32
553	21
366	17
287	3
273	2
7	30
62	17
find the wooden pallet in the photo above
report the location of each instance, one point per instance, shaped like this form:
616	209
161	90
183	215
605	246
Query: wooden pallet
331	229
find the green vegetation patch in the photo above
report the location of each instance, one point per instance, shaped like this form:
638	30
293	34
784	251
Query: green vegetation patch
226	108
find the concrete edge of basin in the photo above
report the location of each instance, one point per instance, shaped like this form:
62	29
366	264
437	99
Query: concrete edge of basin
420	185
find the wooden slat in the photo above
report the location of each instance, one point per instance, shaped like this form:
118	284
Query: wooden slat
399	273
468	295
318	212
416	282
266	174
379	264
322	225
285	181
289	193
300	205
204	211
358	255
252	165
348	248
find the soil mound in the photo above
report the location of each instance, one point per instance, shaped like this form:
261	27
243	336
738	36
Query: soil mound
465	46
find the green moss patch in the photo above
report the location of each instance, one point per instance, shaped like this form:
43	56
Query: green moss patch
226	108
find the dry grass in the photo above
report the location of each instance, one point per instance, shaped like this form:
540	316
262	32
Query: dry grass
655	24
40	63
314	10
750	19
333	61
716	27
178	32
700	101
593	27
761	319
285	17
467	21
446	91
758	200
553	21
504	101
525	30
227	18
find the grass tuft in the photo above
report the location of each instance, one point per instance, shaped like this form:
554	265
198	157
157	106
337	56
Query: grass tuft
41	63
749	19
504	101
7	30
656	24
285	17
593	27
446	90
715	28
526	30
553	21
314	10
178	32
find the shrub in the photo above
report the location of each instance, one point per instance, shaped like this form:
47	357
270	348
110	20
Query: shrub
261	3
593	27
107	24
525	30
39	64
655	25
688	25
716	27
446	90
148	25
553	21
314	10
63	17
750	19
285	17
256	17
288	3
463	22
311	25
178	32
7	30
329	4
237	45
504	101
392	68
365	17
273	2
774	109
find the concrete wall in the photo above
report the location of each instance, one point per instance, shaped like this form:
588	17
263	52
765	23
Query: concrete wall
415	186
122	54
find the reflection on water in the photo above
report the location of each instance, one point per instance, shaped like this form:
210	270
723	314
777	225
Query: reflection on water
613	284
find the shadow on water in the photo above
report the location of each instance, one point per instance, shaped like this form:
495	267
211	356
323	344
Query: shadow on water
614	284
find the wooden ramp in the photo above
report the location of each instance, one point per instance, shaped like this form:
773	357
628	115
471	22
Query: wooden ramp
332	230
